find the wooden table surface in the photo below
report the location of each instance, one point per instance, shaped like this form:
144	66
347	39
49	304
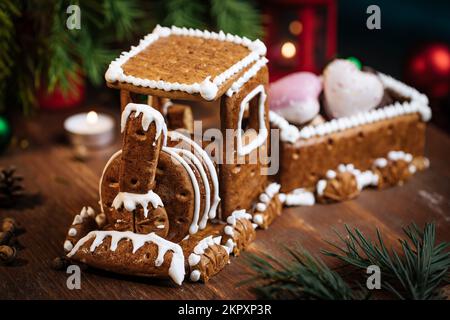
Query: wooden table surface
58	186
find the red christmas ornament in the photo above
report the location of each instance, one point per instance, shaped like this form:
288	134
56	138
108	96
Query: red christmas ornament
428	69
58	99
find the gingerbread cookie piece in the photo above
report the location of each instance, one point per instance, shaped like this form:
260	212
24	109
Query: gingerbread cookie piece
395	169
239	232
131	253
136	206
344	184
205	254
269	206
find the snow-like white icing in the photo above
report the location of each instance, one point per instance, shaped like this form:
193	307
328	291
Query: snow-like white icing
173	153
258	219
380	162
130	201
174	135
298	197
320	186
68	245
72	232
288	132
400	155
195	275
263	131
207	88
149	115
176	269
237	215
199	166
250	73
100	219
229	231
77	219
418	104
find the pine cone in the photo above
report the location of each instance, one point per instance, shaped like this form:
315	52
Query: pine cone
10	186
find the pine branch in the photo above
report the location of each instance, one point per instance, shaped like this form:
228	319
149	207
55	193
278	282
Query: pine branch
189	14
418	273
303	277
237	17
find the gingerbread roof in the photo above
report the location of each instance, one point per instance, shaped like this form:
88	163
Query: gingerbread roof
186	63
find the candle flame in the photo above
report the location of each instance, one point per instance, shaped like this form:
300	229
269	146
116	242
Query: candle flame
288	50
92	117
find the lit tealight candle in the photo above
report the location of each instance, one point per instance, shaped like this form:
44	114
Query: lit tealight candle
90	129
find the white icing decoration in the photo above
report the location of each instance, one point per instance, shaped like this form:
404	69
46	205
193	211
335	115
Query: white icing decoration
72	232
320	187
263	131
68	245
237	215
412	169
201	170
258	219
299	197
267	196
380	162
195	276
149	115
174	135
176	269
288	132
131	200
229	231
207	89
194	259
84	213
173	153
250	73
100	219
331	174
399	155
77	220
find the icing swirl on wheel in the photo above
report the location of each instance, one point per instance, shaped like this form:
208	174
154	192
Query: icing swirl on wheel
176	136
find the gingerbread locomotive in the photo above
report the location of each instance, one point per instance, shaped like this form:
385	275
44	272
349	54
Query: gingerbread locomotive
168	208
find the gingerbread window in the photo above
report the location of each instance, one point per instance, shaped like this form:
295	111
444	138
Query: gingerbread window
259	94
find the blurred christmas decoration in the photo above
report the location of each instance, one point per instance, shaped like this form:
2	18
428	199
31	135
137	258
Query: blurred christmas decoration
10	186
5	133
428	69
43	62
301	35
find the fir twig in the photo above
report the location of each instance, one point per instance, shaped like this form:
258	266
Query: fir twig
417	273
303	277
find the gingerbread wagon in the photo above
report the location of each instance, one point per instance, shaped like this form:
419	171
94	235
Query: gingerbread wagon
173	205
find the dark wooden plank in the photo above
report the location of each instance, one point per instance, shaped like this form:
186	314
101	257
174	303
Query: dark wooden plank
66	185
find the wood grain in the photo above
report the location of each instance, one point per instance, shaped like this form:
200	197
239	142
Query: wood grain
65	185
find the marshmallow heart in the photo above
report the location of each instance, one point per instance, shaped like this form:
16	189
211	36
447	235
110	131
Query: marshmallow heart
348	90
295	97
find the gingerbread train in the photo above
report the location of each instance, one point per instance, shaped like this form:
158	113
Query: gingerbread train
169	209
